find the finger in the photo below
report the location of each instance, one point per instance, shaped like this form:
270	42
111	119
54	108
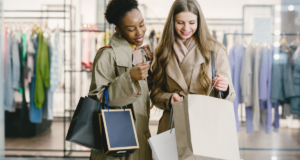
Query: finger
145	76
222	82
220	89
145	67
218	75
222	85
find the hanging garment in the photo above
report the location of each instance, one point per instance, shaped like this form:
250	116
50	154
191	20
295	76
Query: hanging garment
86	49
282	89
12	72
106	38
255	98
295	101
42	71
247	85
92	48
35	113
225	40
5	48
265	87
30	57
22	53
47	108
152	40
235	60
55	61
99	40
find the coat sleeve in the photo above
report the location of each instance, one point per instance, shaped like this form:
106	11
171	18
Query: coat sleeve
223	68
161	101
122	90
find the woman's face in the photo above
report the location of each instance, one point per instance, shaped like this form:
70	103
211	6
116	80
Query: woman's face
186	24
133	27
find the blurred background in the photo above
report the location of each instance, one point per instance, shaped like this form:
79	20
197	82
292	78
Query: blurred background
76	29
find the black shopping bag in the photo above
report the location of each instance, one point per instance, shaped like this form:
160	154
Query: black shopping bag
84	128
117	129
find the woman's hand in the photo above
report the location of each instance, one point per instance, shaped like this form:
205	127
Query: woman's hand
148	52
222	83
139	71
175	98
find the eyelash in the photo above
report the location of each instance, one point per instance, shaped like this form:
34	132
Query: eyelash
140	26
190	23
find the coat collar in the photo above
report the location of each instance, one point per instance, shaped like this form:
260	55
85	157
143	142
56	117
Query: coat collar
122	49
193	59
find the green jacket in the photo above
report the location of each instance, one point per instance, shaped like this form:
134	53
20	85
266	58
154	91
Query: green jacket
42	70
111	68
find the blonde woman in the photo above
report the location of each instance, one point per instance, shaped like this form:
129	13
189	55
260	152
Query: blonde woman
182	62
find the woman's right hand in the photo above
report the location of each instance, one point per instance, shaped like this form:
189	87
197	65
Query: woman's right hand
176	98
139	71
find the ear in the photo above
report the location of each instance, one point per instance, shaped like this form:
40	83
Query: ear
118	30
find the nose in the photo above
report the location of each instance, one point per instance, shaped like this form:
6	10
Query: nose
185	28
139	32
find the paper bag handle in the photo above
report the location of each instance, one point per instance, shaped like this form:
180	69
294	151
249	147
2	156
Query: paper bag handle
171	121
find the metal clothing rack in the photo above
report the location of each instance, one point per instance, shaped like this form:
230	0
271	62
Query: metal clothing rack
64	18
265	149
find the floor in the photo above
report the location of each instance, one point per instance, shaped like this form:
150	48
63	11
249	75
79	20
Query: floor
287	141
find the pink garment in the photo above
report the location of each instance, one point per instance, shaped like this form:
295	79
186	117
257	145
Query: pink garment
85	63
138	54
182	48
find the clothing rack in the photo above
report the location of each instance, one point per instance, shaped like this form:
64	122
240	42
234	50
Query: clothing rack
64	18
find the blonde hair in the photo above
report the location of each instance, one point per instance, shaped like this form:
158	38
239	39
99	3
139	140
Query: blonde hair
164	50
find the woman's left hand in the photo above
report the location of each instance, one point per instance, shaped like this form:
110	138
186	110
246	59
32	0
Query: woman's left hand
222	83
148	52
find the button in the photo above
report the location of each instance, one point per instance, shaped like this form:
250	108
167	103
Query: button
148	135
145	108
145	82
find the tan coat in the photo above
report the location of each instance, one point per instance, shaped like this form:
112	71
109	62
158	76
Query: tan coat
111	68
185	80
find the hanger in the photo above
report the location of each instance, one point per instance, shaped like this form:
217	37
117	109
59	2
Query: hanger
283	41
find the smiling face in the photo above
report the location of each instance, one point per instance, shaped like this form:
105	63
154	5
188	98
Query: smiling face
186	24
132	27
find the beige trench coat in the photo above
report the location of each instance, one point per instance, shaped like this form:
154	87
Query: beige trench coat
111	68
184	80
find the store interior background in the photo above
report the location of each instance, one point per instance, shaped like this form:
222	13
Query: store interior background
221	16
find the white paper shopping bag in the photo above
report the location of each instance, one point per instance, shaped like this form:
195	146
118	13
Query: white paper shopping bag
205	129
164	146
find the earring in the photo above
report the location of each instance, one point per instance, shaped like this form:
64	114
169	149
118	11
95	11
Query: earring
120	36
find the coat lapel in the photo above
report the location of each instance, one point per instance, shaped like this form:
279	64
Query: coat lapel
181	75
122	51
173	70
193	59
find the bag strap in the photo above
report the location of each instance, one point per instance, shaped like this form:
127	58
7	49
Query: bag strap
105	98
105	47
213	70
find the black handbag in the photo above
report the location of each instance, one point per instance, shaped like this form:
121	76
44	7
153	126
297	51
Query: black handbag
84	128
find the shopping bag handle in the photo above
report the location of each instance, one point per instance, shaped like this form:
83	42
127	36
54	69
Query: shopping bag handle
171	121
105	98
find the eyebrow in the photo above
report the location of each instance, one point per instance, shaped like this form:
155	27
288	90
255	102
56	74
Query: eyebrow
140	23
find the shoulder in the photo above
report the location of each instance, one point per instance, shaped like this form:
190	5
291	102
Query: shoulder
219	51
105	54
